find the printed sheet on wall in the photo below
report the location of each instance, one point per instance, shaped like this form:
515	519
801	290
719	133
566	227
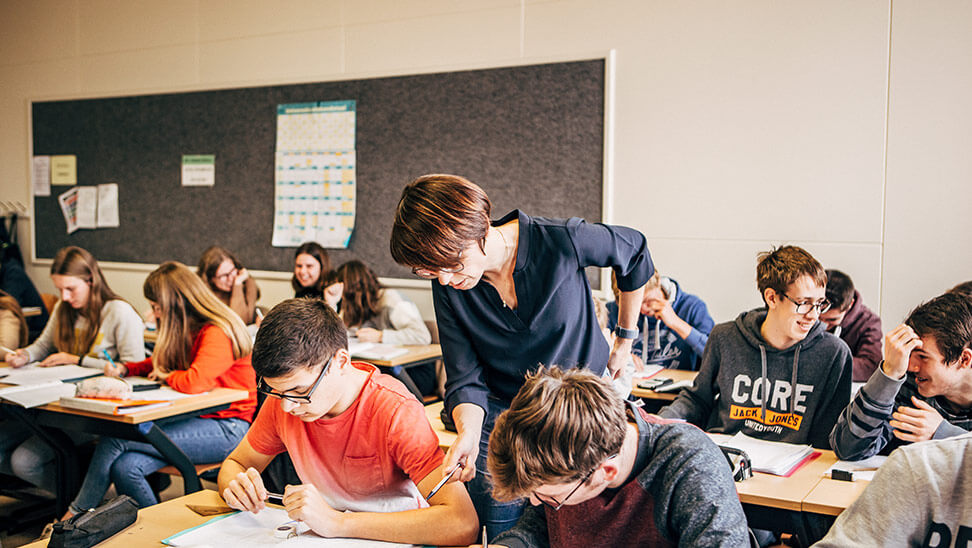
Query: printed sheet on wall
314	187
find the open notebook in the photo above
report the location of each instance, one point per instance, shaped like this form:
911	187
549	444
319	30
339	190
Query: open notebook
770	457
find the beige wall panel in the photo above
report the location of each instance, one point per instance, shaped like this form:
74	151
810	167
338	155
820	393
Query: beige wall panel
460	39
137	71
296	56
37	30
222	19
20	83
373	11
723	273
929	196
732	116
122	25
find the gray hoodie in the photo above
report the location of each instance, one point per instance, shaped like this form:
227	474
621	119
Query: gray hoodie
808	384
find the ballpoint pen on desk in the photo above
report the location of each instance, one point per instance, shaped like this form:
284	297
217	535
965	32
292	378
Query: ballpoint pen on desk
485	542
444	480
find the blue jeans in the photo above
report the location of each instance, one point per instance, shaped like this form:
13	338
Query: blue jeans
496	516
126	463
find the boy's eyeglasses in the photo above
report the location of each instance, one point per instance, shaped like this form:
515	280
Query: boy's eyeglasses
433	274
553	504
805	308
264	388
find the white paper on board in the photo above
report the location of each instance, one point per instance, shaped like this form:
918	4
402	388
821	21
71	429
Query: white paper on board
107	205
42	176
87	207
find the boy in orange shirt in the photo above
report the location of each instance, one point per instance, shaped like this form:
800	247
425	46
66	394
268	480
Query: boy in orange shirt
358	439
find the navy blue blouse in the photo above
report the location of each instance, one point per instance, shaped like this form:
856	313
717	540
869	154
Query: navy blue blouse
488	348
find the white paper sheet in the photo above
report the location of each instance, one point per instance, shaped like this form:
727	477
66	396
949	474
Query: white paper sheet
32	395
87	207
863	470
107	205
245	530
41	178
35	374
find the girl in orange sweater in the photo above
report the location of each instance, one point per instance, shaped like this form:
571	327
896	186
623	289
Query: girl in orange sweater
202	345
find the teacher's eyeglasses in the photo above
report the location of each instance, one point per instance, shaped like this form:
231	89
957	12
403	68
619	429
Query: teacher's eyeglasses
433	274
264	388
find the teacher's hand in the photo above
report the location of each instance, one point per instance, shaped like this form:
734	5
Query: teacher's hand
469	423
620	356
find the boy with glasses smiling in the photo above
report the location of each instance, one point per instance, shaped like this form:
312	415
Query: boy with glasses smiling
774	373
360	442
599	471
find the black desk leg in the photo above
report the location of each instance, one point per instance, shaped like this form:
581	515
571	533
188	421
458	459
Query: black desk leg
173	454
401	374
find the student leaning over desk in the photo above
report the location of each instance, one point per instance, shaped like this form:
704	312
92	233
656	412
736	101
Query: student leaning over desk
599	471
923	388
89	321
360	442
202	345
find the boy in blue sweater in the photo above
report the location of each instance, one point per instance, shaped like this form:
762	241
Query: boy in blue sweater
673	326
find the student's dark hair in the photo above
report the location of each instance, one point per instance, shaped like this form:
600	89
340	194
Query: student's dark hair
209	263
780	267
359	303
840	289
317	251
437	216
77	262
964	288
560	425
948	318
297	333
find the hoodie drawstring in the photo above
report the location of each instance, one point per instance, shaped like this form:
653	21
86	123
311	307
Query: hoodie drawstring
762	378
793	380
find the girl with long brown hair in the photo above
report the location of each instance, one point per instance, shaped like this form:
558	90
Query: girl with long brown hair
88	323
202	345
228	280
311	269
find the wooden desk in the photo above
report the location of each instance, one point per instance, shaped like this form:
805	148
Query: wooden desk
446	437
785	493
831	497
158	522
675	374
49	422
397	367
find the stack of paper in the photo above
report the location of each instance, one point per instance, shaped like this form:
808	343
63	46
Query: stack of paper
111	406
770	457
35	374
374	351
32	395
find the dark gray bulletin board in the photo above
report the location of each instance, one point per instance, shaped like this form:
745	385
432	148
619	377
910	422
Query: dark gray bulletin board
531	136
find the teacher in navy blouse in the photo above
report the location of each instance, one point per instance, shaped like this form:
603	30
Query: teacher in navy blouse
511	294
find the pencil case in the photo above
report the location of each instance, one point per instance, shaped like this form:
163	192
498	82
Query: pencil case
91	527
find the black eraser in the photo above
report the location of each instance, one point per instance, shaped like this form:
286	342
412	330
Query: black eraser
842	475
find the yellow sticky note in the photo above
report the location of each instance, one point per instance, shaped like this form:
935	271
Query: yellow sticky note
64	170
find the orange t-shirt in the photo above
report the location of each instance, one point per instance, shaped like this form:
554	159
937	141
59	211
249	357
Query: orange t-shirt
367	459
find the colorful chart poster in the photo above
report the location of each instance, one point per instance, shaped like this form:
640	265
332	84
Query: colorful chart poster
314	186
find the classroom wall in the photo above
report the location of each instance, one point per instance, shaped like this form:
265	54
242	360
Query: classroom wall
839	126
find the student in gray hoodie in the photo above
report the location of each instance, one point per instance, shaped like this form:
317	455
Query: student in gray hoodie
774	373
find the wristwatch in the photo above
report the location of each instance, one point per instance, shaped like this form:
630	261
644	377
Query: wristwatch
625	333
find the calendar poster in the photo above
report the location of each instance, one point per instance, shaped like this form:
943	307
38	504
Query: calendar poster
314	183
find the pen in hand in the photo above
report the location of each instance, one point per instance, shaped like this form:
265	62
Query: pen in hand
444	480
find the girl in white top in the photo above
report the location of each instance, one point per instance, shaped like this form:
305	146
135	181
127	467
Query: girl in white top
89	321
379	314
